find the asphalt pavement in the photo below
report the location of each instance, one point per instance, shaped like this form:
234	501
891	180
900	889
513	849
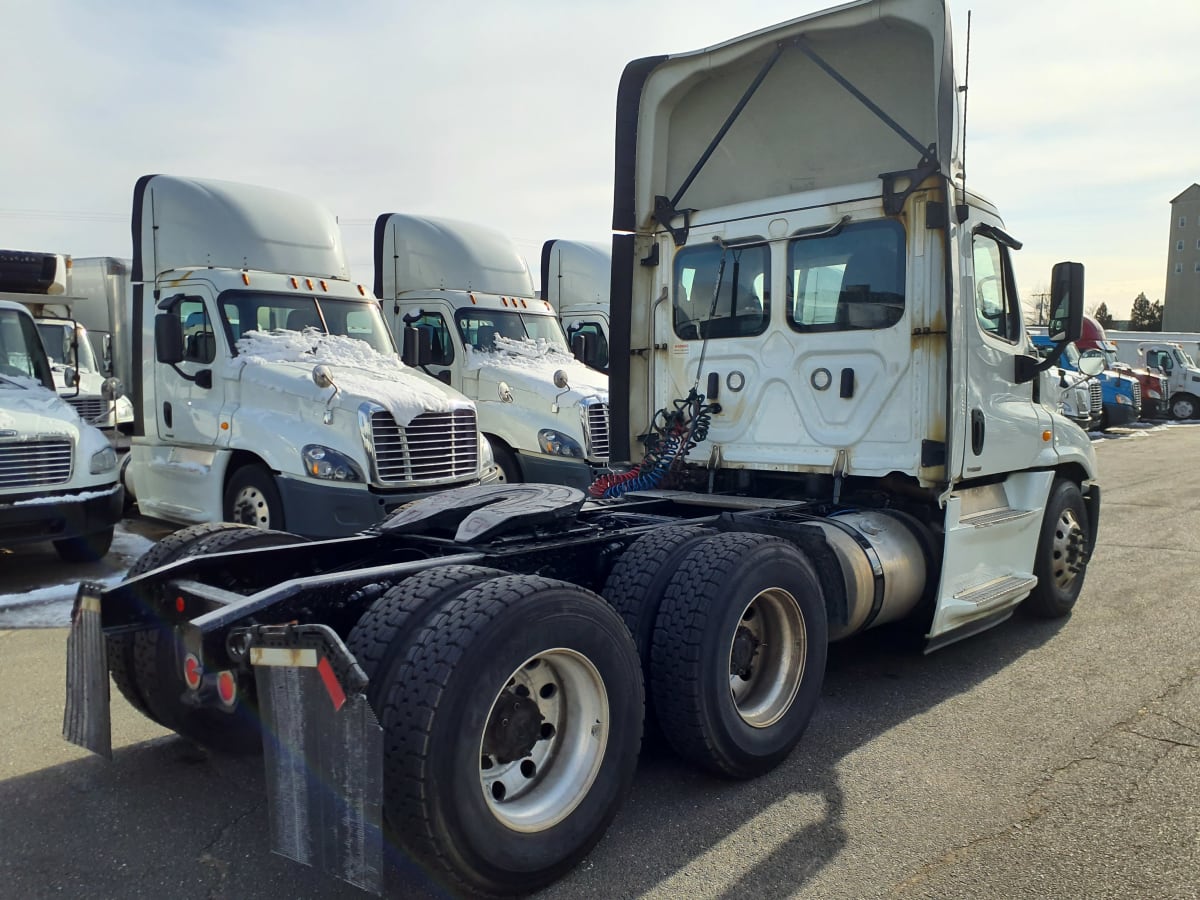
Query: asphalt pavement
1040	759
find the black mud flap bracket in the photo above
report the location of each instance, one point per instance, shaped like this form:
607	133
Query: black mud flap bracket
86	720
322	748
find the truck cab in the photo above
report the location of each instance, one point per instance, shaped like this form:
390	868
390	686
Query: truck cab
1178	371
58	474
79	376
468	297
575	277
1153	386
1121	393
267	387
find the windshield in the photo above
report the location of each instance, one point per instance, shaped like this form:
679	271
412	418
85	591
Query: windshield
245	311
56	338
21	353
1184	360
480	327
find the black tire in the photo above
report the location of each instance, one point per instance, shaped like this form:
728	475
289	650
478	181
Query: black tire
252	498
635	589
120	649
86	547
1184	406
1061	561
733	595
510	469
158	666
382	637
476	653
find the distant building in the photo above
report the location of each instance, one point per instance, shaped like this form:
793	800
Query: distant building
1181	299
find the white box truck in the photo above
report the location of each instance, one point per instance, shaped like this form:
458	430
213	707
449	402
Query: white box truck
58	474
823	392
266	386
467	290
575	277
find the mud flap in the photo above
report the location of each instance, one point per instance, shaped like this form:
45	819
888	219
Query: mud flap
323	752
86	719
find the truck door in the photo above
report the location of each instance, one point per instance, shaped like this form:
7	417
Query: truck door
188	413
1003	425
445	362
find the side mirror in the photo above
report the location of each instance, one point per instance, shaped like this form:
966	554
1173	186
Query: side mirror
582	348
560	380
1091	363
168	338
106	354
111	389
418	346
1066	302
71	376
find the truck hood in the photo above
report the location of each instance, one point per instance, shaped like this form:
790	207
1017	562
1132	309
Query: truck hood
530	369
284	362
29	409
670	110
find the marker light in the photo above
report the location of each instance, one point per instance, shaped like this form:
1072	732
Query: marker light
295	283
308	283
192	671
1046	435
227	688
245	278
324	286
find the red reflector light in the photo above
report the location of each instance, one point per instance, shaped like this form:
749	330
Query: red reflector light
191	671
227	688
179	605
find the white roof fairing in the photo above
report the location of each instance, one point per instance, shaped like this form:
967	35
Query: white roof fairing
800	129
183	223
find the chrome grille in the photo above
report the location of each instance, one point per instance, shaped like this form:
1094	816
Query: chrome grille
432	447
1137	394
595	421
1097	396
32	463
89	408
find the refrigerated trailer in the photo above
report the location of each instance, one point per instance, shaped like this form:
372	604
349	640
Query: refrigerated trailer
827	419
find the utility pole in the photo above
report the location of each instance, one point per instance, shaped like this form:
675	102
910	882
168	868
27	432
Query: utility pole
1041	297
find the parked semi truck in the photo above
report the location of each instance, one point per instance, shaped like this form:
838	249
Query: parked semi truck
266	386
1153	386
1121	393
58	474
468	292
575	277
826	413
1180	375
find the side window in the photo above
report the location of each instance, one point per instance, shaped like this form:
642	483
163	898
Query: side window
199	342
439	338
851	279
721	293
996	307
595	334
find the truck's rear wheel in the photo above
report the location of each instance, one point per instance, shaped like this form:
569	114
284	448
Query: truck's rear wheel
515	735
739	653
635	590
252	498
120	649
382	637
1061	554
85	547
158	663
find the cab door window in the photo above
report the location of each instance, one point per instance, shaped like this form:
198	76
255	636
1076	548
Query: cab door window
997	309
199	341
594	332
721	293
440	339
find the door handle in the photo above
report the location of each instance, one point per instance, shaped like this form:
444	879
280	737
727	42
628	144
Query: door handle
167	414
977	431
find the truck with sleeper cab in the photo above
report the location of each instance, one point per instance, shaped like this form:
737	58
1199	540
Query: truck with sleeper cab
575	277
826	417
468	293
266	385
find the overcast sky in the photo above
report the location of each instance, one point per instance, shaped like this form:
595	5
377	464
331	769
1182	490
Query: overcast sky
1082	115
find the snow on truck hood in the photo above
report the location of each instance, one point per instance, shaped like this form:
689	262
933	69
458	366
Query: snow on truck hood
28	408
530	366
284	361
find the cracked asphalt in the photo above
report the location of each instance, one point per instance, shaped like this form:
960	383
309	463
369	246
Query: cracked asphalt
1040	759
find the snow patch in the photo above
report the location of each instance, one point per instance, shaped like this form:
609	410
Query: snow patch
67	498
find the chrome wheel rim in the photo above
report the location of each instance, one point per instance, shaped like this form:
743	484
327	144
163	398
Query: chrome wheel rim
766	657
1066	551
250	508
544	740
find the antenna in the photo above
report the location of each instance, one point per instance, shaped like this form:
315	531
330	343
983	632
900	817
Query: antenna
961	208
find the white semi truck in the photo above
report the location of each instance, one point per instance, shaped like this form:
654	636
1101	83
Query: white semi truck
1174	362
58	474
468	291
575	276
266	386
827	414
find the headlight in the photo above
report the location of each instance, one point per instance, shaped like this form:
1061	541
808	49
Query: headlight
103	461
487	458
1121	398
1154	395
321	462
558	444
